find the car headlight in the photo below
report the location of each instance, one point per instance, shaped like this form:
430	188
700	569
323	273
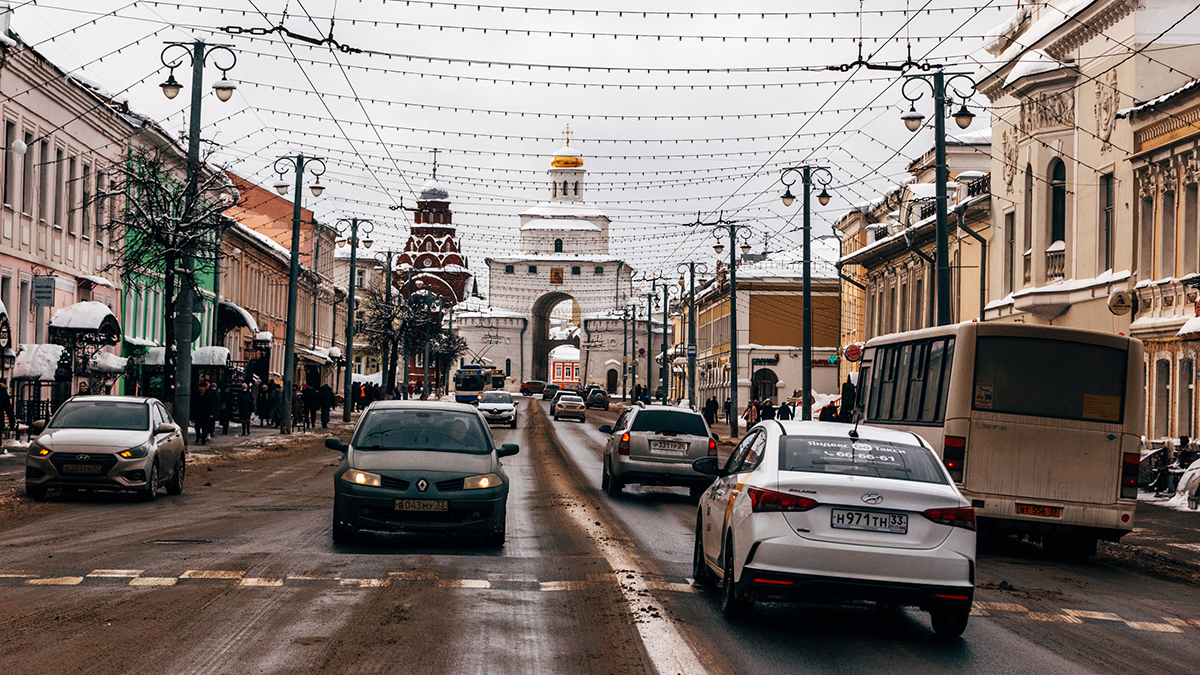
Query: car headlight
135	453
362	478
37	449
490	480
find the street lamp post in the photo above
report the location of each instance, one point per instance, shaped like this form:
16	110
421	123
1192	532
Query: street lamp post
388	381
181	325
808	174
938	81
650	297
298	163
349	228
691	343
664	369
734	228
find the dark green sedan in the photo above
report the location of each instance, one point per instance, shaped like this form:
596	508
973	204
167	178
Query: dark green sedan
420	466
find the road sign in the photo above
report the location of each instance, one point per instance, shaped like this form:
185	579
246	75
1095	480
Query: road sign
641	351
691	351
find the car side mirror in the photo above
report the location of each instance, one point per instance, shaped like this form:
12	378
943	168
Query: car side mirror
707	466
36	426
605	429
334	443
164	428
508	449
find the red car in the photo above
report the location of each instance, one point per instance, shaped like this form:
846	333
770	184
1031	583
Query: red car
532	387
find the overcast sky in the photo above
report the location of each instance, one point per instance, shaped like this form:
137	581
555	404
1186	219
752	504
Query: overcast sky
675	115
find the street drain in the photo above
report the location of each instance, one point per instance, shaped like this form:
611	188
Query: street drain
171	542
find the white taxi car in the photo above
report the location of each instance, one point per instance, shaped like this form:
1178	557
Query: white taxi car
829	512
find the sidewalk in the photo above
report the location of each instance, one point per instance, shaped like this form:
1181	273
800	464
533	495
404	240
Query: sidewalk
263	435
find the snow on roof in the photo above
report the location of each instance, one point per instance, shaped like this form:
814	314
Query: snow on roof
210	356
971	136
564	353
1121	114
264	336
560	224
1053	17
373	378
432	191
140	342
250	322
612	362
556	257
85	315
1192	327
1033	62
156	356
565	209
37	362
334	353
95	280
107	362
263	239
996	40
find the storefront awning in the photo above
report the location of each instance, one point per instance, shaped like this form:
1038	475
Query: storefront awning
94	280
311	355
88	317
210	356
37	362
231	316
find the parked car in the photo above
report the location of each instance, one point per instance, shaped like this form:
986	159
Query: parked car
549	391
597	398
498	407
570	406
532	387
817	511
656	445
420	466
107	443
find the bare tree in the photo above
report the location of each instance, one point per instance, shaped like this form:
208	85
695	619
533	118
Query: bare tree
154	226
392	325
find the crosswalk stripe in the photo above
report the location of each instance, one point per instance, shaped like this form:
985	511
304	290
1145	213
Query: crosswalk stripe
259	581
1102	616
115	573
153	581
56	581
564	585
1047	616
464	583
1156	627
212	574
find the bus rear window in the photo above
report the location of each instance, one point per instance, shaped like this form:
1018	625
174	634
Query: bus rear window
1050	378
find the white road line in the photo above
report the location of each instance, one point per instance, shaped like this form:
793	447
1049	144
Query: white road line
1102	616
260	581
464	583
56	581
564	585
1156	627
153	581
212	574
668	650
122	574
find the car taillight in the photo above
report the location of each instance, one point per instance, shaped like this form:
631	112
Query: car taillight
623	445
1129	475
769	500
960	517
954	455
712	448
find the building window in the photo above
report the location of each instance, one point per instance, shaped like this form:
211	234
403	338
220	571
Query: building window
558	246
86	205
1187	383
43	178
1105	236
599	269
1191	230
507	367
576	188
10	137
360	278
575	270
1027	227
918	303
533	269
1058	201
72	204
1167	257
903	307
509	269
58	187
27	176
1010	250
1146	240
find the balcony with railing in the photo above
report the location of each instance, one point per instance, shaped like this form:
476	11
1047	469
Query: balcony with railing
1028	266
1056	258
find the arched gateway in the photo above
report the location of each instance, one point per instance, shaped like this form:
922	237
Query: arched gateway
542	344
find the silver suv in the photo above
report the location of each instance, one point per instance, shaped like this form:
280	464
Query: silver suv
656	446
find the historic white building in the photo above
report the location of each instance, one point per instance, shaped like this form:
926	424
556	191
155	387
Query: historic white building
564	256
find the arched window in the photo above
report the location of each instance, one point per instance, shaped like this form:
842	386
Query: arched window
1058	201
564	188
507	367
558	246
576	188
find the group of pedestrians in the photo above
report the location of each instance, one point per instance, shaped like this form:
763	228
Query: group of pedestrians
212	404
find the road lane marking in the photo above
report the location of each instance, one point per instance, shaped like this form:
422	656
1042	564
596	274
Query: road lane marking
1182	622
115	574
514	578
153	581
16	575
260	581
1102	616
212	574
310	577
1000	606
413	576
552	586
363	583
464	583
1156	627
1059	618
56	581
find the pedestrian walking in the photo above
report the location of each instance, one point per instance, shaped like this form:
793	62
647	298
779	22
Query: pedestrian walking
849	400
204	414
309	396
829	413
84	388
766	411
785	412
325	399
275	404
725	410
8	420
245	404
750	414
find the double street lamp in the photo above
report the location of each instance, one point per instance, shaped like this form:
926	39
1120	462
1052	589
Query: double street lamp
736	230
938	82
317	166
691	341
808	174
181	325
349	229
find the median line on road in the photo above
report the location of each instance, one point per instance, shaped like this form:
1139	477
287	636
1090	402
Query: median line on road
115	574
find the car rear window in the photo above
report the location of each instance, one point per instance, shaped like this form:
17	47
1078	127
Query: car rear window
123	415
570	399
437	430
496	397
679	421
859	458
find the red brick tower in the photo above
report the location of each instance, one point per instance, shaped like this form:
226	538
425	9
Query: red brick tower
432	252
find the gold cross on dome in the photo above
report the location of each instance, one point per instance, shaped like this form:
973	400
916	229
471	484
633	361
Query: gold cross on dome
567	133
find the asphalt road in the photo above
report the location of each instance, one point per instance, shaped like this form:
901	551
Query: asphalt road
239	575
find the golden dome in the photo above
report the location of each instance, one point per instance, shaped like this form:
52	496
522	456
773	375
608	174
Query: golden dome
566	158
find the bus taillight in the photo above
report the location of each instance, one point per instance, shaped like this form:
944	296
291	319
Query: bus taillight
1129	475
954	455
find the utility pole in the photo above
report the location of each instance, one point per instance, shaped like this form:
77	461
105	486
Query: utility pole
624	352
352	240
691	343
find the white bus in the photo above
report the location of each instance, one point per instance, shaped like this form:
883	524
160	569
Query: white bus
1040	426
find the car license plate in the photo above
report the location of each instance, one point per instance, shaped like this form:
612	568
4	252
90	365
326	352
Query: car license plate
422	505
668	448
81	468
870	521
1035	510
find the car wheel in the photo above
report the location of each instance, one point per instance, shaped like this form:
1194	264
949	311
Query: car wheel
950	622
701	574
615	485
606	407
36	492
604	478
151	490
696	491
513	425
175	485
556	418
495	538
341	533
736	603
583	420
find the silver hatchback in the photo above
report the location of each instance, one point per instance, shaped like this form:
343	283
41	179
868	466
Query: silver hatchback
656	446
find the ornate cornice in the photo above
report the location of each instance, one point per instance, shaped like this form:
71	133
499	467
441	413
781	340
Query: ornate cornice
1093	27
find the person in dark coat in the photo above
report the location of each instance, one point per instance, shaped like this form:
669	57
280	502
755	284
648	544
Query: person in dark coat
275	404
849	400
8	420
204	412
725	409
829	413
245	406
784	412
308	396
264	404
766	411
325	399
